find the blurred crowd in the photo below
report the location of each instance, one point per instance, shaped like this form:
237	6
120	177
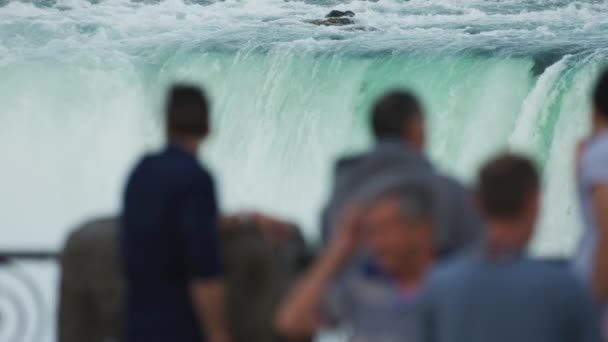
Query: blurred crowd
407	253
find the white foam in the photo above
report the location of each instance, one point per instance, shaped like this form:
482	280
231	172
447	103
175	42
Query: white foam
392	24
80	84
534	106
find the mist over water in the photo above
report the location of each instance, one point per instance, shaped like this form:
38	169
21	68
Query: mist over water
82	86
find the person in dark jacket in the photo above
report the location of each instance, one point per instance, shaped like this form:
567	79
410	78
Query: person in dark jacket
169	235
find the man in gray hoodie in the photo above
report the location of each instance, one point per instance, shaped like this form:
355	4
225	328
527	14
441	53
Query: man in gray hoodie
398	125
390	216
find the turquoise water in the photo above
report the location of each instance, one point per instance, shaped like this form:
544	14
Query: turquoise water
81	87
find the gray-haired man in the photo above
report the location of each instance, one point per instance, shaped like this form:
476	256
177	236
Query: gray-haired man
378	300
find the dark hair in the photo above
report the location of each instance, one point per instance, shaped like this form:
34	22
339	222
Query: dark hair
600	94
187	111
504	185
392	111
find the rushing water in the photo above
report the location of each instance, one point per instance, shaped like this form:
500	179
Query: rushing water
81	87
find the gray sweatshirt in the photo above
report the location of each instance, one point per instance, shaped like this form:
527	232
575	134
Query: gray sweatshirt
392	163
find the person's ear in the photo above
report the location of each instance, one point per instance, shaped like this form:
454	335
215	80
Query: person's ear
412	132
536	198
417	132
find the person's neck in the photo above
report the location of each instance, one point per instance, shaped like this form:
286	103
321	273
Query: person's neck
187	144
504	237
395	140
416	146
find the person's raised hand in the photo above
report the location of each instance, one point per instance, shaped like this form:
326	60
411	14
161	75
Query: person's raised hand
347	234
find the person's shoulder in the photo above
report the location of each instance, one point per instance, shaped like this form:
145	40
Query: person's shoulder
600	143
196	178
184	166
559	285
451	269
552	275
348	161
204	175
345	166
143	163
153	164
596	154
545	268
445	279
451	184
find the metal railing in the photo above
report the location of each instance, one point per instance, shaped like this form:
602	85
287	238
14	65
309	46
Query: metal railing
23	307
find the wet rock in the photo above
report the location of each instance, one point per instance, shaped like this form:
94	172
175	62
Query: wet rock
340	14
335	18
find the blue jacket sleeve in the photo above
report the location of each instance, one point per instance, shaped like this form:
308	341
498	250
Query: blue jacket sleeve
198	225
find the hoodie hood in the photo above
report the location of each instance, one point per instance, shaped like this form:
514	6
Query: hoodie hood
389	154
362	177
391	164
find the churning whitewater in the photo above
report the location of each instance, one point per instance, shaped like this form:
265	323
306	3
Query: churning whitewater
81	85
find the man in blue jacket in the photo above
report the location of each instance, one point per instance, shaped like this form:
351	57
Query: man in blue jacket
497	292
